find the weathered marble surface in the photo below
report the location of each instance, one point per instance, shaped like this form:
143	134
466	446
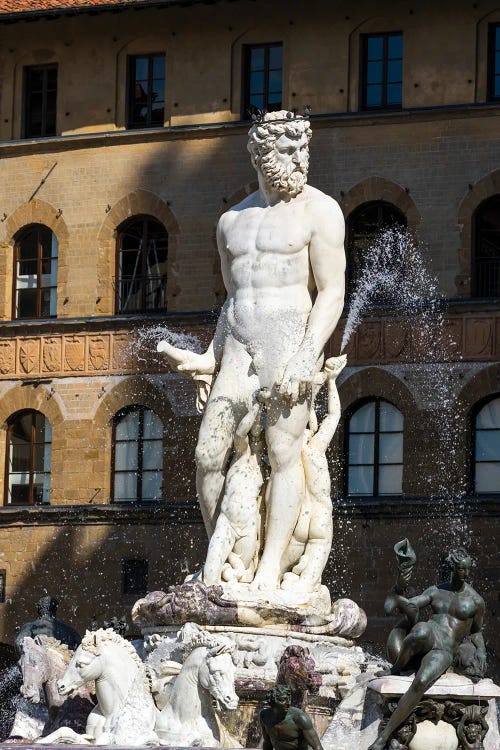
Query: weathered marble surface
210	605
262	476
356	721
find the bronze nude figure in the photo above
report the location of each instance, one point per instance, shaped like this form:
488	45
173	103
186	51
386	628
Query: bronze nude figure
285	727
432	646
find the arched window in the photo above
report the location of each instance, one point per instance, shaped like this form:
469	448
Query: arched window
141	266
29	447
35	265
375	450
486	249
364	224
137	455
487	448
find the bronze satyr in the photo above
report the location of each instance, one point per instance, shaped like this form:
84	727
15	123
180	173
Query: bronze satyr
285	727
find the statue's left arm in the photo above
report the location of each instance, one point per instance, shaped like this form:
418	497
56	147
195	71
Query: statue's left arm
327	261
309	732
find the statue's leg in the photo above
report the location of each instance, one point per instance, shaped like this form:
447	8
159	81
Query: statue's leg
419	640
229	401
310	567
215	442
284	438
432	666
221	544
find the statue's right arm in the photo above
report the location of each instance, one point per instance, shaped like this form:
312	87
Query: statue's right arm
192	363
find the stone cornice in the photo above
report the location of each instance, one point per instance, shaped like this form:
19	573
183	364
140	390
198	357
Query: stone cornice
109	346
111	514
181	514
237	127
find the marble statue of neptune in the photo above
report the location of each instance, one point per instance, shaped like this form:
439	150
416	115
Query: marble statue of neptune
283	262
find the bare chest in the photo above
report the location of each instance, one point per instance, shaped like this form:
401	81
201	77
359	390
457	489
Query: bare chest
277	230
461	606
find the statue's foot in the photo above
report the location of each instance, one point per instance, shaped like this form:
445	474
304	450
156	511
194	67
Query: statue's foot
264	582
300	584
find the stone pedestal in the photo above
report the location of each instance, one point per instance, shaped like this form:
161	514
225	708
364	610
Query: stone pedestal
261	630
356	722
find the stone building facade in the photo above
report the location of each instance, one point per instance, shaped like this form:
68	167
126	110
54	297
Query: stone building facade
435	159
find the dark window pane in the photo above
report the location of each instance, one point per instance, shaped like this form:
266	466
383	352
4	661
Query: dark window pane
488	446
257	101
257	83
26	306
497	61
489	416
274	101
146	87
375	45
390	480
257	55
141	68
40	101
28	465
394	71
395	46
486	256
275	81
262	78
361	449
360	481
382	71
374	72
275	57
394	93
159	66
487	477
374	96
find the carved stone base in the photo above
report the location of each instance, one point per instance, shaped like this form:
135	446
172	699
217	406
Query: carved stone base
256	658
211	605
443	717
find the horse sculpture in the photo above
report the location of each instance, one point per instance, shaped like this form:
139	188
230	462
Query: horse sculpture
206	676
126	713
43	662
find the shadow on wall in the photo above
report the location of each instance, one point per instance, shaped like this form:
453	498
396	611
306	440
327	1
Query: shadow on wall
81	565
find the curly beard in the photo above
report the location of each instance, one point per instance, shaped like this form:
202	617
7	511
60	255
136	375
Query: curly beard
290	179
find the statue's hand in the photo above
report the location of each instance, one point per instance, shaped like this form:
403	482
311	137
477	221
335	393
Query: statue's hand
297	378
189	363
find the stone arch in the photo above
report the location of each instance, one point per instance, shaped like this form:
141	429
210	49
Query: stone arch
33	212
364	384
374	189
37	398
21	397
129	391
139	202
487	187
135	390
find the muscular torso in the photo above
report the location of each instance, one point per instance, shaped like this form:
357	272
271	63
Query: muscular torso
286	734
454	612
267	259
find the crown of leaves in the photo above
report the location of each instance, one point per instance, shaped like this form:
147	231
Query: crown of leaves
258	116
